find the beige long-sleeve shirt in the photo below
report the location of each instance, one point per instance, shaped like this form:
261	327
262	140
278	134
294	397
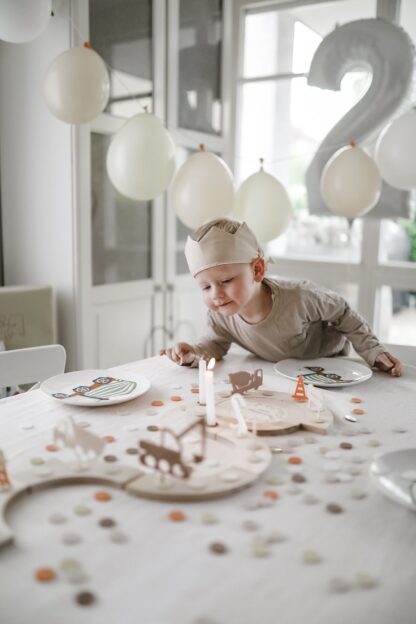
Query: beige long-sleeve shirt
306	321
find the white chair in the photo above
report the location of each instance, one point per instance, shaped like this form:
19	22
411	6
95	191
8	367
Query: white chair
35	364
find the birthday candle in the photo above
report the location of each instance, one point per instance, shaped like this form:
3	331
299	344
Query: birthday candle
236	401
202	367
210	397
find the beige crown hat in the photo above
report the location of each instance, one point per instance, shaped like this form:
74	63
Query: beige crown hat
221	247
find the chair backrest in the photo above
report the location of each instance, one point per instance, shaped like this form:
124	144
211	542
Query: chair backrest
35	364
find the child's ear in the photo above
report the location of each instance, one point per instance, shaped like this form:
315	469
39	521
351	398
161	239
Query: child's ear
259	269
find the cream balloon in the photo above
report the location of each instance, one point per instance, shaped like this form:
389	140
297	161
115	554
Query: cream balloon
23	20
350	182
141	158
395	152
202	189
77	86
263	203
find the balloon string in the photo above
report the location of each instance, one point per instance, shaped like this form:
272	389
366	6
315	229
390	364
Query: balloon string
111	70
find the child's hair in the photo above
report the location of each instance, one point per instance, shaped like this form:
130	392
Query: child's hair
228	225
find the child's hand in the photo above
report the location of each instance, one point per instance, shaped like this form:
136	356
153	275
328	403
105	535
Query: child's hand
181	353
389	364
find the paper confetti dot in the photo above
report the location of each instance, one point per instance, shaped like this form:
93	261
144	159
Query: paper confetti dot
323	450
45	575
399	430
339	585
249	525
293	490
209	518
358	411
71	539
109	439
354	471
117	537
68	565
274	480
331	478
275	537
346	446
294	460
334	508
271	494
177	516
52	448
76	576
110	458
259	550
37	461
311	556
358	494
252	505
364	430
57	518
298	478
132	450
344	477
85	598
276	450
176	397
27	426
356	400
218	548
195	390
157	403
107	523
358	459
365	581
102	496
82	510
310	499
374	443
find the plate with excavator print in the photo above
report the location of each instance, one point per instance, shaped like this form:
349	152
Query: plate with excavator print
325	372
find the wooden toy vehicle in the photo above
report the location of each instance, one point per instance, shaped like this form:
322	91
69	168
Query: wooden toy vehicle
243	380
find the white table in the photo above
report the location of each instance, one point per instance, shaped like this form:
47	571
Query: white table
165	573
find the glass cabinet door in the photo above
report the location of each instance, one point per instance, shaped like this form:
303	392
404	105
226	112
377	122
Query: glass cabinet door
121	229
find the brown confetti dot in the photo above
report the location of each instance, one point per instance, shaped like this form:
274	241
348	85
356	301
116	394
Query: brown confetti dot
176	397
334	508
153	428
110	458
85	598
346	446
102	496
45	575
294	460
356	400
272	494
218	548
358	411
132	450
195	390
52	448
157	403
298	478
107	523
177	516
109	438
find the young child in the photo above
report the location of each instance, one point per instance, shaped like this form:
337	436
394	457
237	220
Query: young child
273	318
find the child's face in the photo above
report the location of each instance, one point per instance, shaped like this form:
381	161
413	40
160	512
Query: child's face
228	288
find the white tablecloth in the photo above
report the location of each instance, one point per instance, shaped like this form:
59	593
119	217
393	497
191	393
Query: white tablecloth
165	573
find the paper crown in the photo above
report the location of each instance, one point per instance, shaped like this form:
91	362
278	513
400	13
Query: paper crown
221	247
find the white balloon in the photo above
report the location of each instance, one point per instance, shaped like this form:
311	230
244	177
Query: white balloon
77	86
395	152
263	203
141	158
23	20
350	183
202	189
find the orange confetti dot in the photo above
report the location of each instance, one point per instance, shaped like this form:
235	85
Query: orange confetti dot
52	448
271	494
356	400
177	516
109	438
358	411
157	403
45	575
294	460
195	390
102	496
176	397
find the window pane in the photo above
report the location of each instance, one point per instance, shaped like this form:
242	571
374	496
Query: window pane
121	32
182	231
120	227
199	89
397	316
398	241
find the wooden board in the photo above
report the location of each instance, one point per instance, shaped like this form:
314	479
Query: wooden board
273	413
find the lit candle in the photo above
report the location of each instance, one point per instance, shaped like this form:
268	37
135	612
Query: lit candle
202	367
236	401
210	397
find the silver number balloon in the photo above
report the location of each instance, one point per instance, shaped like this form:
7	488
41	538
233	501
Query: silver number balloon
388	51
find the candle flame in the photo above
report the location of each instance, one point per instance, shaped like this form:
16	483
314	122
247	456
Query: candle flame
211	364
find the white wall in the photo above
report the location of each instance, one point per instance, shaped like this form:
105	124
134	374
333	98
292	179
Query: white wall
36	169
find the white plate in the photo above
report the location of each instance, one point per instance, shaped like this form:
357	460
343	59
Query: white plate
325	372
95	387
395	476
